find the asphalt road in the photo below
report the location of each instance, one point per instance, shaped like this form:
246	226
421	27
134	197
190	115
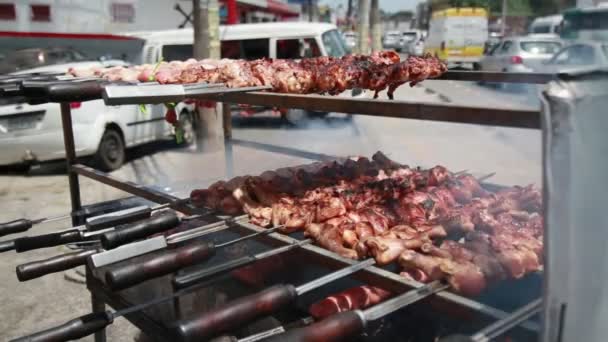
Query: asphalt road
260	143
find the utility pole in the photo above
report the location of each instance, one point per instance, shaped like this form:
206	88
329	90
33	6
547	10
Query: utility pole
311	10
503	20
376	26
206	22
363	26
200	26
207	45
349	13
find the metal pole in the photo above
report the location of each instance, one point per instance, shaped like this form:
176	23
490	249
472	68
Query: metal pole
200	25
376	26
363	26
503	27
227	124
349	13
227	120
70	157
311	10
97	305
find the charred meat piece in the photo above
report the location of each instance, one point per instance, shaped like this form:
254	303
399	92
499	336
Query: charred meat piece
360	297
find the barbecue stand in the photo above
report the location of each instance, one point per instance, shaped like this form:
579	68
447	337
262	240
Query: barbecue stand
49	88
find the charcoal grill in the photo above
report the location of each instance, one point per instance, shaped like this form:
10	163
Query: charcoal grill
156	322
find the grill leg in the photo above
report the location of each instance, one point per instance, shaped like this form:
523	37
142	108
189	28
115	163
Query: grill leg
227	125
70	157
97	305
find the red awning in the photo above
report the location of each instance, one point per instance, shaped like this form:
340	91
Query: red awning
18	34
279	7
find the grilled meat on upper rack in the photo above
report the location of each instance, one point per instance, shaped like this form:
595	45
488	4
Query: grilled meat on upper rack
322	75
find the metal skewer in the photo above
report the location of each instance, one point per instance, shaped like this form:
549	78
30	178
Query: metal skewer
63	262
486	177
278	330
134	249
347	324
94	223
169	261
233	314
190	279
93	322
501	326
94	227
23	224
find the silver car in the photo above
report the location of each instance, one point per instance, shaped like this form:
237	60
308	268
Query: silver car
520	54
579	55
391	40
409	38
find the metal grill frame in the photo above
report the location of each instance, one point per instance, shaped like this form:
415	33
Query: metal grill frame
522	118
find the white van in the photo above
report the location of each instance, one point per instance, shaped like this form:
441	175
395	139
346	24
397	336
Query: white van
549	25
33	133
292	40
458	35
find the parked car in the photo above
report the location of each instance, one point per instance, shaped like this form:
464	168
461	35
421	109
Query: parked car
293	40
578	55
32	133
520	54
391	40
549	25
37	57
350	38
408	38
494	39
416	48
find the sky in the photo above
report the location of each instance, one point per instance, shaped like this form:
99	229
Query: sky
386	5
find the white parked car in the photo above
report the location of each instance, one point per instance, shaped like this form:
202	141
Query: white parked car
33	133
291	40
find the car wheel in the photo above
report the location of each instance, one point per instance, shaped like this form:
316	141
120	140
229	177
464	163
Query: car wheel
111	151
296	116
188	128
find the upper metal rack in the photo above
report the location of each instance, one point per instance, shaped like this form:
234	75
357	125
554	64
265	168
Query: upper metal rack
42	88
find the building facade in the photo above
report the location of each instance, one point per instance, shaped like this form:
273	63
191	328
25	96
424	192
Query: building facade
115	16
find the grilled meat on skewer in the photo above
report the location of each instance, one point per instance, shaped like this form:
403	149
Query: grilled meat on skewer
322	75
361	208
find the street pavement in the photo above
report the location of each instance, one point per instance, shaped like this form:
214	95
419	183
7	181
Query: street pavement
260	143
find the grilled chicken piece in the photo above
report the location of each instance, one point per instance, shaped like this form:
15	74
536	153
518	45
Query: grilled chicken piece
464	277
330	237
333	207
386	250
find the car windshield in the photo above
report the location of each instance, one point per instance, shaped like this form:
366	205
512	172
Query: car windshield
575	55
32	58
586	25
409	36
334	44
605	50
541	29
392	35
540	48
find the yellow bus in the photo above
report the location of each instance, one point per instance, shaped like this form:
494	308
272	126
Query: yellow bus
458	35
